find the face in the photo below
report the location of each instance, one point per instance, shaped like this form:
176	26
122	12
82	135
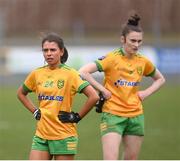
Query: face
132	42
52	53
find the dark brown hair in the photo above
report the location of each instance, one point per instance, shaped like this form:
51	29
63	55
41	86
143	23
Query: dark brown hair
132	25
53	37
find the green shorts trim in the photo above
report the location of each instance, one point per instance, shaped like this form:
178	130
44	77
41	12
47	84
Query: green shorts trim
64	146
122	125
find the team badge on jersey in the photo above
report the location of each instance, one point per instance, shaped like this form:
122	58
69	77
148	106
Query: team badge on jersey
131	71
139	70
60	83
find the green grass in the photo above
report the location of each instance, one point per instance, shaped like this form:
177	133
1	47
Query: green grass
161	142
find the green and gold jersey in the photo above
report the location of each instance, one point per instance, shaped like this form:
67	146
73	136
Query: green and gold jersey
55	90
122	78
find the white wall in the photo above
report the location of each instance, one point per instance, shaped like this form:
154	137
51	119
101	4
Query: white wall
24	59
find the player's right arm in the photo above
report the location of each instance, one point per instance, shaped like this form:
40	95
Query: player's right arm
22	96
86	72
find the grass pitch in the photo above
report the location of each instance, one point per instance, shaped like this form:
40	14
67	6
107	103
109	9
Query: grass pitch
162	129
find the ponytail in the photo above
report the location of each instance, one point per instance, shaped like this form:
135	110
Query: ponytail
65	56
132	25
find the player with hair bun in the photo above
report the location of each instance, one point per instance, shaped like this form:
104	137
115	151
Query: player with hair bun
122	119
55	85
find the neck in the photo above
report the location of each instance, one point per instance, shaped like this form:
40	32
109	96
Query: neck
127	54
54	66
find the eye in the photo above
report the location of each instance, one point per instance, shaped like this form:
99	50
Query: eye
133	40
51	49
45	50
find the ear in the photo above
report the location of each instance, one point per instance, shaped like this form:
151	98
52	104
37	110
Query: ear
123	39
62	52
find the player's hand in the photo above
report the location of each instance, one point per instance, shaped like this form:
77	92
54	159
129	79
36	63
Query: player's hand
142	95
37	114
69	117
100	103
106	93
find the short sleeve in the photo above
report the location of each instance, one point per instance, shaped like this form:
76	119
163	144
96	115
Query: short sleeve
78	83
149	69
104	63
30	83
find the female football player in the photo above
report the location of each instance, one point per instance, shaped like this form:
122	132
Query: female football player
122	117
55	85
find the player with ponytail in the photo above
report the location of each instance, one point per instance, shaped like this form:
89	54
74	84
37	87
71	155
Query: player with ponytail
122	118
55	85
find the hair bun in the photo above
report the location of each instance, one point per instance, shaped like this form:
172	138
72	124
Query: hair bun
133	20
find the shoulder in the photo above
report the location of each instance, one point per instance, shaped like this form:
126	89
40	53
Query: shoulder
142	57
65	67
113	54
68	69
40	68
116	52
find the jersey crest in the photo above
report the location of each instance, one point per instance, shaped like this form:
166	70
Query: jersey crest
60	83
139	70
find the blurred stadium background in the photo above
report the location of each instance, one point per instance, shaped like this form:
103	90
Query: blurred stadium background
90	28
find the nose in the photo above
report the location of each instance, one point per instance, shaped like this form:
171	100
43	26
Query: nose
136	44
48	52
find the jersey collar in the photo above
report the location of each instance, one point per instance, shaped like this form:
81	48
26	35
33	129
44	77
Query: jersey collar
61	65
122	51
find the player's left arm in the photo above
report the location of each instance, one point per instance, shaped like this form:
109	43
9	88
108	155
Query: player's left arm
158	81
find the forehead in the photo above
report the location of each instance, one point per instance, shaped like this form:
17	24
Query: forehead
135	35
48	44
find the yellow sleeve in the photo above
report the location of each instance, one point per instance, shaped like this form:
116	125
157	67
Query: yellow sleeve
78	83
105	62
149	69
30	82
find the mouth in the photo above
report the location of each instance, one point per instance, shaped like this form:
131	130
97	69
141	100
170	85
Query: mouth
135	49
49	59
